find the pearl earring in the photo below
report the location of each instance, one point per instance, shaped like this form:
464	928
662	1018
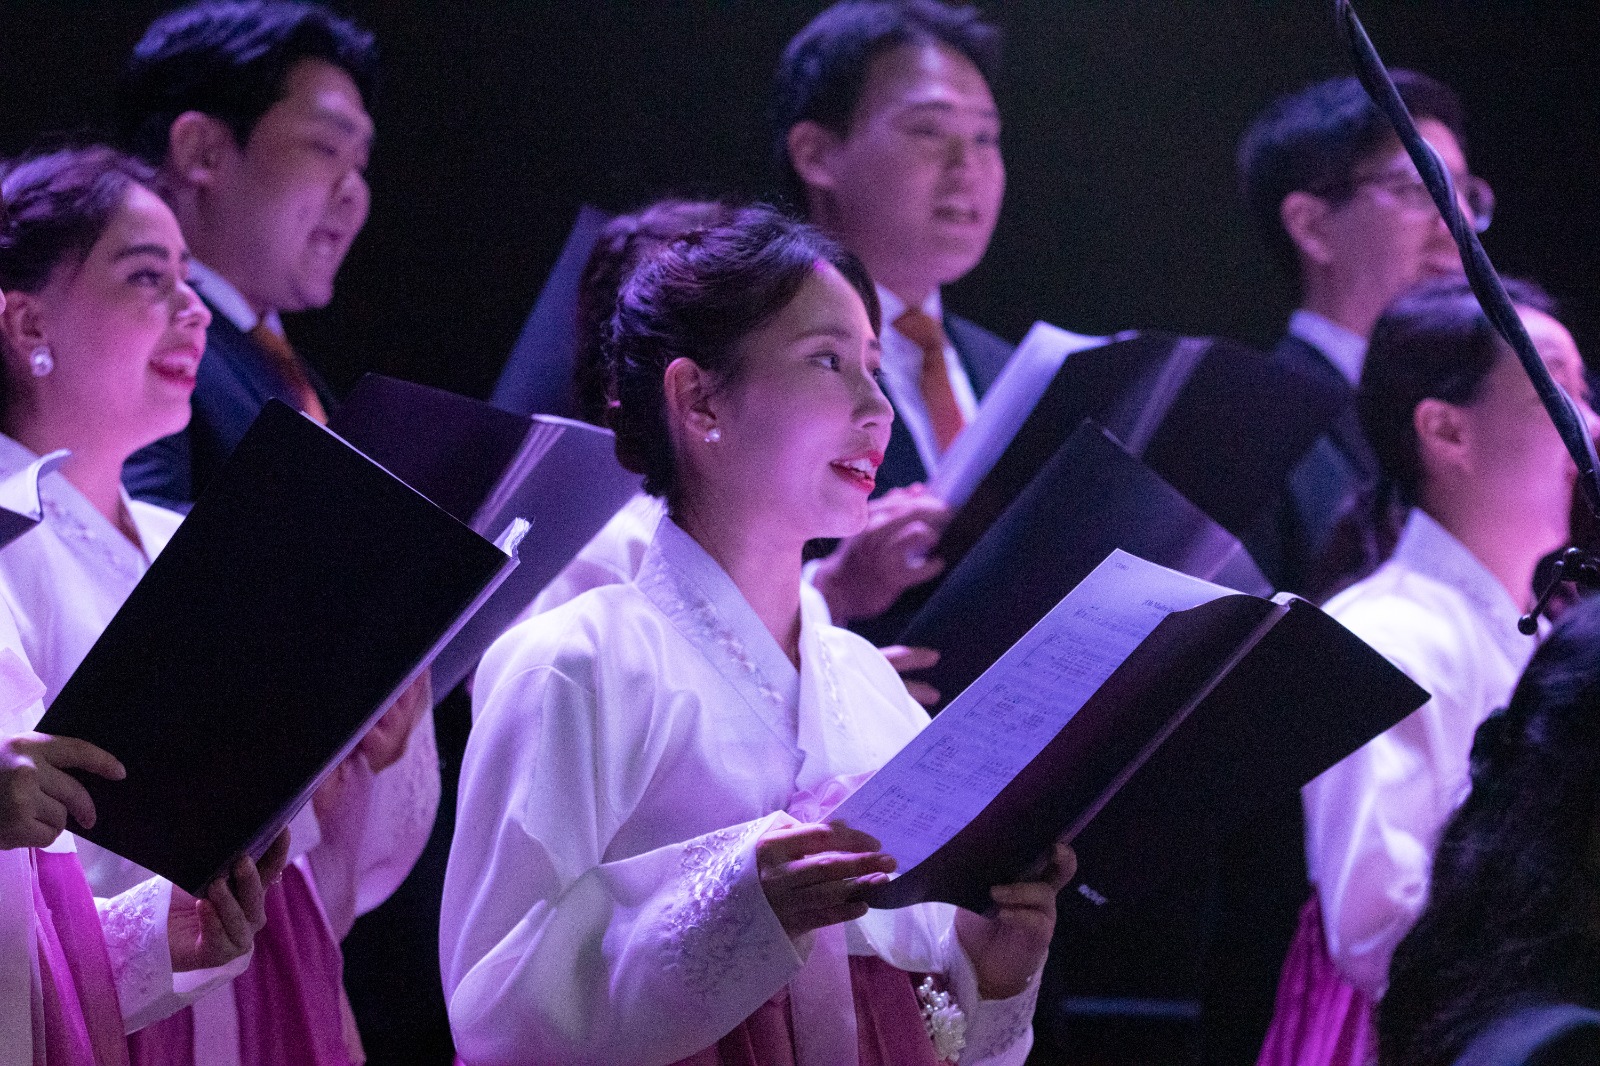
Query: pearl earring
713	435
41	361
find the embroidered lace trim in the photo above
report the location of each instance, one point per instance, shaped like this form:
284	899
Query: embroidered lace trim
136	940
70	527
998	1024
711	933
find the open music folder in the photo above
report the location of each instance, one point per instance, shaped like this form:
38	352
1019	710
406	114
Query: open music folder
305	591
1144	704
488	468
1088	500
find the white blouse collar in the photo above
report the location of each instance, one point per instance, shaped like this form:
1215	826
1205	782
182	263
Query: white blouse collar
1426	547
74	519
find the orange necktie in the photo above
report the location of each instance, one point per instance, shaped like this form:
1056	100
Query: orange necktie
287	364
944	414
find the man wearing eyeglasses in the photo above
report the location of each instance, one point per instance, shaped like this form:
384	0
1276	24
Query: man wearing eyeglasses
1343	209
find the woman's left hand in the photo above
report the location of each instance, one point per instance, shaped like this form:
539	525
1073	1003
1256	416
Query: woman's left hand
1008	949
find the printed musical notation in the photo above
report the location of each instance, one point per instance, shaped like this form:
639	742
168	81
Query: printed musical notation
946	775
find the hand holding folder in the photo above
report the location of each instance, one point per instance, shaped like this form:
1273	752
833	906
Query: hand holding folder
1143	704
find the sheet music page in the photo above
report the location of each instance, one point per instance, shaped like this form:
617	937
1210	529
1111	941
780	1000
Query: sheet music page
952	770
1007	404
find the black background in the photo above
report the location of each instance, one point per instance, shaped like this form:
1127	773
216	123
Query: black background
497	119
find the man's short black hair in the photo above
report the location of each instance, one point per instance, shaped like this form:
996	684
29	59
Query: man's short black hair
824	68
1313	140
230	59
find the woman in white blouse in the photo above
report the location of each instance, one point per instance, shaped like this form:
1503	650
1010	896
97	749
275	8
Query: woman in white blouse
102	339
625	885
1462	438
77	974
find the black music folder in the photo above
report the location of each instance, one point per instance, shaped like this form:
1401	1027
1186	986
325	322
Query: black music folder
1144	705
306	589
538	375
20	508
1226	437
1089	499
488	467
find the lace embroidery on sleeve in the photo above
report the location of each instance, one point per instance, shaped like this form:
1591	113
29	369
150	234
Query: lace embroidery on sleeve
711	933
998	1024
136	940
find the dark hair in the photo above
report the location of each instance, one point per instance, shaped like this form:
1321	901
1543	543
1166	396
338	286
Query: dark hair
824	68
697	297
620	245
1510	919
1434	342
230	59
58	205
1313	141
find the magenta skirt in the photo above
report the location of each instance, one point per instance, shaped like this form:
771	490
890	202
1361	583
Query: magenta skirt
889	1026
289	999
1319	1019
81	1021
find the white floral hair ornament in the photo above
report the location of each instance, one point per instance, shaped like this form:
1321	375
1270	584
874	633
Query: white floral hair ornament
947	1025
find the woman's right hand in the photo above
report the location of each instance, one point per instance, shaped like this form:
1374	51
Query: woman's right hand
37	795
813	874
213	931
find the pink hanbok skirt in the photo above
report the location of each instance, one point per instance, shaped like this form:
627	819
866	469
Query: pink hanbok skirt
889	1026
80	1023
290	999
1319	1018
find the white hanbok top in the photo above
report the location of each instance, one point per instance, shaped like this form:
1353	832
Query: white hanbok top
63	582
134	923
1374	819
602	903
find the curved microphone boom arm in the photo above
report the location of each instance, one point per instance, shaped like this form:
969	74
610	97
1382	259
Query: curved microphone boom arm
1573	565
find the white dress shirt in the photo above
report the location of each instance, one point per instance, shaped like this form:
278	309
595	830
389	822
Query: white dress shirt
1374	819
1347	351
902	375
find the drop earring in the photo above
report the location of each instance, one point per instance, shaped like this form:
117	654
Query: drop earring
713	435
41	361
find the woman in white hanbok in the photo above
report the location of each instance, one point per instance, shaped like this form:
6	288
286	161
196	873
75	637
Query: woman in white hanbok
77	974
642	872
102	341
1461	436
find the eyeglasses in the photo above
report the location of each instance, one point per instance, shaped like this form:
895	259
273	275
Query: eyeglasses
1408	190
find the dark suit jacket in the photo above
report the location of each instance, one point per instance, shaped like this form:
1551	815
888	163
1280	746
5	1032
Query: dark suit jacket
235	381
1338	469
983	355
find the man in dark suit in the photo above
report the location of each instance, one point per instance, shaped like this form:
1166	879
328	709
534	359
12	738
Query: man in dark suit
1341	206
889	136
255	115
